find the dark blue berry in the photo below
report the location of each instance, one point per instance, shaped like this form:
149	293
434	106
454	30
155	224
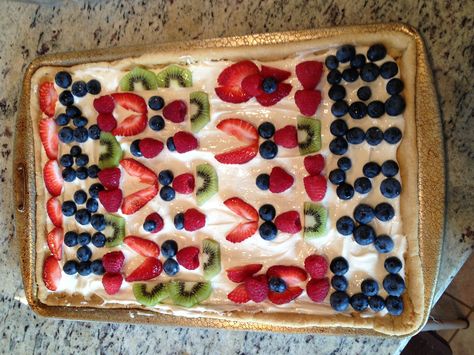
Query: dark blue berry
263	181
369	72
73	111
384	244
350	75
84	268
66	160
68	208
337	176
63	79
170	144
394	86
376	303
384	211
355	135
369	287
395	105
338	146
266	130
267	212
345	191
84	253
339	108
92	205
169	248
371	169
331	62
83	216
394	305
156	123
79	88
70	267
93	171
364	93
149	225
345	225
66	98
84	238
171	267
376	52
276	284
374	136
81	173
70	239
135	148
98	239
98	222
388	70
80	197
179	221
82	160
339	301
81	134
75	150
97	267
364	235
345	53
165	177
339	283
344	163
62	119
66	135
376	109
339	266
338	128
359	302
393	135
94	132
269	85
268	230
156	103
389	168
394	284
167	193
337	92
392	264
358	61
390	188
334	77
357	110
362	185
94	190
93	87
268	149
69	174
363	213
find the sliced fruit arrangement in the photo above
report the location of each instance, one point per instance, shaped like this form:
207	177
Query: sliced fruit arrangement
51	273
244	132
150	296
244	229
268	230
136	169
199	100
149	269
117	226
55	242
52	178
317	287
309	74
309	135
53	208
112	279
111	153
212	264
138	79
314	183
48	97
174	73
284	283
142	246
207	183
315	220
49	137
187	294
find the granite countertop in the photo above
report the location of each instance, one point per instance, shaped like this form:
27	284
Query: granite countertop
29	30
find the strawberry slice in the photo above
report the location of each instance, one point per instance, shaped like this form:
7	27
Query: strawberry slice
235	73
53	207
112	282
315	187
111	199
288	222
280	180
309	73
252	85
106	121
104	104
51	273
188	258
48	98
149	269
317	289
142	246
289	295
240	129
132	125
238	155
49	137
241	273
131	102
257	288
286	137
175	111
232	94
241	208
52	178
55	240
308	101
150	147
133	202
292	275
184	183
239	294
283	90
136	169
314	164
242	232
113	261
278	74
110	178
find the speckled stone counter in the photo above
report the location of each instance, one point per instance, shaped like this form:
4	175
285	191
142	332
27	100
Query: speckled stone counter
29	30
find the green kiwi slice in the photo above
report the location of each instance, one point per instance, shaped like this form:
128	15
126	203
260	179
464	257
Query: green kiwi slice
207	183
150	298
113	152
138	78
180	75
117	225
212	266
309	135
202	115
315	220
188	294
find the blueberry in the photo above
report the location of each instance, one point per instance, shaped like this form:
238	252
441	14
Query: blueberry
98	222
93	87
165	177
383	244
369	72
369	287
374	136
371	169
92	205
83	216
268	149
84	268
66	160
350	75
81	173
82	160
384	211
80	197
79	88
339	283
392	264
338	146
345	53
362	185
98	239
70	239
66	135
357	110
263	181
337	92
93	171
393	135
376	303
344	163
63	79
394	86
149	225
70	267
84	238
339	108
81	134
395	105
394	284
355	135
334	77
156	103
62	119
156	123
390	188
171	267
364	235
388	70
167	193
179	221
364	93
73	111
389	168
94	190
337	176
69	174
345	191
170	144
169	248
268	230
345	225
267	212
269	85
376	109
358	61
339	301
394	305
276	284
376	52
75	150
339	266
266	130
84	253
68	208
363	213
66	98
331	62
359	302
97	267
338	128
135	148
94	132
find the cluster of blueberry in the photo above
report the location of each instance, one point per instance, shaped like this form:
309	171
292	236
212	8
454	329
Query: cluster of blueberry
268	229
169	249
268	149
165	177
77	157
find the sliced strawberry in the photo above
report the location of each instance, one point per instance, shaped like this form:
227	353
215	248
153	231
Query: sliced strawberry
106	122
188	258
130	126
288	222
51	273
252	85
238	155
241	208
242	232
111	199
49	137
150	147
314	164
194	220
104	104
175	111
149	269
232	94
130	102
136	169
133	202
289	295
271	99
184	183
286	137
55	240
278	74
184	142
309	73
113	261
53	207
52	178
315	187
316	266
110	177
142	246
308	101
240	129
317	289
241	273
155	217
48	98
280	180
292	275
235	73
257	288
112	282
239	294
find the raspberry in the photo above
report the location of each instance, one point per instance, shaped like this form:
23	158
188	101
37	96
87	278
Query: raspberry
184	142
150	147
155	217
111	199
286	137
280	180
308	101
104	104
257	288
112	282
316	266
184	183
106	122
314	164
194	220
288	222
315	187
317	289
113	261
175	111
110	177
188	258
241	273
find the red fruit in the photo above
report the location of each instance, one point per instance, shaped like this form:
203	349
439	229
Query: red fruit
111	199
132	125
286	137
314	164
317	289
280	180
136	169
239	294
184	183
315	187
241	208
316	266
52	178
155	217
131	102
238	155
48	98
104	104
106	122
51	273
292	275
285	297
184	142
49	137
241	273
110	177
113	261
234	74
142	246
133	202
149	269
175	111
194	220
242	232
252	85
55	242
257	288
53	207
188	258
240	129
283	90
278	74
150	147
232	94
288	222
308	101
112	282
309	73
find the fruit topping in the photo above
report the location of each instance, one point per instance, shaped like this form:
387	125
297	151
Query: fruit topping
169	248
117	225
266	130
111	156
138	78
257	288
230	81
174	73
240	129
142	246
394	305
308	101
384	244
147	270
268	149
187	294
184	142
339	266
316	266
175	111
394	284
51	273
156	221
314	164
393	264
390	188
242	209
286	296
184	184
276	284
376	52
201	116
270	99
110	177
52	178
194	220
171	267
241	273
238	155
111	199
63	79
133	202
106	122
150	147
112	282
263	182
156	123
113	261
152	297
309	73
268	230
239	294
212	261
207	183
339	283
288	222
267	212
47	98
315	187
49	137
136	169
369	287
345	225
53	207
292	275
359	302
280	180
339	301
309	135
167	193
55	242
188	258
104	104
315	220
242	231
286	137
317	289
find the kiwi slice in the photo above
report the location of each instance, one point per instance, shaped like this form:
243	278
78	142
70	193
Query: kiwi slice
138	76
187	294
182	76
202	115
113	151
213	264
309	135
207	185
150	298
117	224
315	219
